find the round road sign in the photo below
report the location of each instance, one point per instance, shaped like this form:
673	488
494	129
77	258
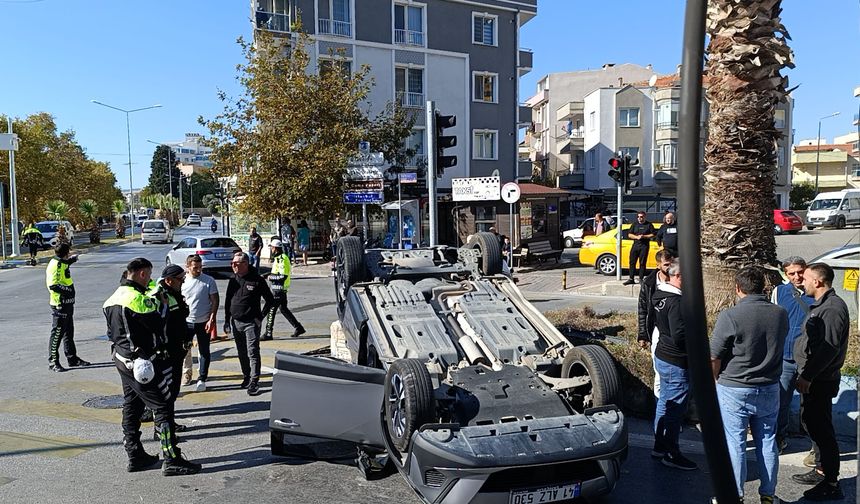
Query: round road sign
511	192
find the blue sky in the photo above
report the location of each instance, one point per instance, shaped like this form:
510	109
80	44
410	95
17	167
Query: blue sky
60	54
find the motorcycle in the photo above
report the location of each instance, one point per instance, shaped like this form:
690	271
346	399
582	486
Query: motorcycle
213	226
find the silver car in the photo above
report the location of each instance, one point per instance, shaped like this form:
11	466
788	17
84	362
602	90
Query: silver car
215	251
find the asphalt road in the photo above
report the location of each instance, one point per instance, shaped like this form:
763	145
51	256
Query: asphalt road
54	450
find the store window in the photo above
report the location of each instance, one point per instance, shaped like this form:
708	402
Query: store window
532	220
485	217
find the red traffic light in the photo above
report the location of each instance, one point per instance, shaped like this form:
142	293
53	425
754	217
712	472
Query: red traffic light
615	163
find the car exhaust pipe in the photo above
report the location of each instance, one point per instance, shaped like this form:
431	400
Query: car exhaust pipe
473	353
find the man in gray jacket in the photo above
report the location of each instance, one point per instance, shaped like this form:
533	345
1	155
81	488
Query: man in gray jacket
746	358
820	353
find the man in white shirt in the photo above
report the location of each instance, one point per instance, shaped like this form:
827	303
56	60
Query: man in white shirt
201	294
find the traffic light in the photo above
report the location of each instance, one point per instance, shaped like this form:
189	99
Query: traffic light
631	174
616	170
443	142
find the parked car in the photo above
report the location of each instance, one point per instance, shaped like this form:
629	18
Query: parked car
156	230
216	252
786	221
573	237
845	262
439	364
836	209
193	220
49	232
599	251
140	219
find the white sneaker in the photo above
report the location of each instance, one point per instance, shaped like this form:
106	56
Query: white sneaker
201	386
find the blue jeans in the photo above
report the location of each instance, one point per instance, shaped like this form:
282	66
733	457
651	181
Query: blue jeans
757	407
671	405
254	260
787	383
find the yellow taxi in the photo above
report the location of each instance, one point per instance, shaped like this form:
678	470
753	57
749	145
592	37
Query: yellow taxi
599	251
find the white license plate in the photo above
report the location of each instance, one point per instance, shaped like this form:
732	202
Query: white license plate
224	255
545	494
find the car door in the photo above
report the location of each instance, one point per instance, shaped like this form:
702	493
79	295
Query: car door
321	397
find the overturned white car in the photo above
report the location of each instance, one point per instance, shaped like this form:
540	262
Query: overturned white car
441	364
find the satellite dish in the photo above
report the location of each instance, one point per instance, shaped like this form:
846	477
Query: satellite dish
652	80
495	173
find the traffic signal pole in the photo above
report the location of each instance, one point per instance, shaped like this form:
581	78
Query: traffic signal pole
431	171
618	223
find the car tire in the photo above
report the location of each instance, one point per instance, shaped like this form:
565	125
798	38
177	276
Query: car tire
606	264
840	223
810	227
595	362
569	243
491	252
349	268
777	229
794	232
408	400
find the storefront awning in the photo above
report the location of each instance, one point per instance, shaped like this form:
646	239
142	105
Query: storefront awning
399	204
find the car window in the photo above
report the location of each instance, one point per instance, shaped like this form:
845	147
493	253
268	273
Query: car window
153	225
188	243
855	256
824	204
218	243
46	228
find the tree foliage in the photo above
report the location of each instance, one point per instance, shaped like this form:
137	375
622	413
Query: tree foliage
288	137
163	160
801	196
746	52
50	164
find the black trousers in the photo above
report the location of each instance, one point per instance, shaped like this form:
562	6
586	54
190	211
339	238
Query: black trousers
280	303
33	249
638	252
155	395
203	354
816	414
177	359
62	329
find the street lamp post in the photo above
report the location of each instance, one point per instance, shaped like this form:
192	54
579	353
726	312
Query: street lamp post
128	138
818	148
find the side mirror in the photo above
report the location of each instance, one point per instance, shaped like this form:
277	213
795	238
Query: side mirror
176	247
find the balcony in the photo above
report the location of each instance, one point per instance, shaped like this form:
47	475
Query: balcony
524	116
335	28
526	61
537	99
856	119
272	21
569	141
409	38
569	110
411	100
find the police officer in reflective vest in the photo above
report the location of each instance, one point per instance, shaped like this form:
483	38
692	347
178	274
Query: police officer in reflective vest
136	332
32	237
279	279
58	278
174	310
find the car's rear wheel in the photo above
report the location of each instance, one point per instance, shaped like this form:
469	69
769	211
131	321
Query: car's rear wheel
491	252
810	227
349	268
794	232
568	242
777	229
408	400
840	223
607	264
594	362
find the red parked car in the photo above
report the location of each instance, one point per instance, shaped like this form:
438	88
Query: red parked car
786	221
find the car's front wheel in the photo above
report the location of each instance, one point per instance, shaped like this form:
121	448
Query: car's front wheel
568	242
408	400
777	229
607	264
595	363
349	268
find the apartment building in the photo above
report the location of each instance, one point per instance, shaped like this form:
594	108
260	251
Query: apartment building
192	155
639	118
836	165
462	54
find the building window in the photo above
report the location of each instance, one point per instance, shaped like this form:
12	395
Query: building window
409	85
592	159
855	170
415	142
408	25
628	117
484	29
340	23
485	217
780	158
668	156
592	121
341	66
484	144
485	87
779	119
633	152
273	15
667	114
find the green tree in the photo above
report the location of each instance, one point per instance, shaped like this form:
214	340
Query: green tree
89	211
57	210
746	52
801	196
118	207
203	184
163	160
288	137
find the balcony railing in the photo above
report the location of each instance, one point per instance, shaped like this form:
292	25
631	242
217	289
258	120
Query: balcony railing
411	100
409	37
336	28
272	21
667	125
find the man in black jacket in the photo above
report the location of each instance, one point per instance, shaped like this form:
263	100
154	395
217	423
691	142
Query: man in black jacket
820	353
641	233
647	337
667	235
670	359
242	315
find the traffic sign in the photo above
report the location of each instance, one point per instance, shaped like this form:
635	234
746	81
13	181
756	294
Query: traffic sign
409	178
360	198
475	189
368	185
511	192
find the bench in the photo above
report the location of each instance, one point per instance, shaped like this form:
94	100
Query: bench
541	250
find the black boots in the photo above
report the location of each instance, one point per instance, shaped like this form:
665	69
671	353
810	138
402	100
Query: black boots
56	367
138	459
174	464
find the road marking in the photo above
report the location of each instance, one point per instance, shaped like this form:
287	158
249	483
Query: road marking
63	411
92	387
16	443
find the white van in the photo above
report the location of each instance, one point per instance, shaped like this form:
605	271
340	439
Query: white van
156	230
837	209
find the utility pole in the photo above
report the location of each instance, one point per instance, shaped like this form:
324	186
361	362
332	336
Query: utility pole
431	171
13	198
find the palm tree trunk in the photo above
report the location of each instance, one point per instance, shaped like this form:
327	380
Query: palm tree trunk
747	49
